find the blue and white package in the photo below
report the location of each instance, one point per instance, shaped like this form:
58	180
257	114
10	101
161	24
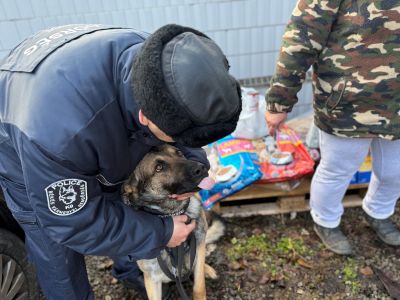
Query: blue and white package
232	168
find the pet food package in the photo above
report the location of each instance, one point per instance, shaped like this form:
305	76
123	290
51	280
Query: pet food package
232	167
283	158
363	175
251	124
365	170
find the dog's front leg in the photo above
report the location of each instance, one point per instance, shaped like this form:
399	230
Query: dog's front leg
199	288
153	288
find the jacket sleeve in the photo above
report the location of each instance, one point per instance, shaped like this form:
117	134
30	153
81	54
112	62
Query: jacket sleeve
305	36
94	223
196	154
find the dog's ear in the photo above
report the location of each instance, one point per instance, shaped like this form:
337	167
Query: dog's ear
130	191
158	149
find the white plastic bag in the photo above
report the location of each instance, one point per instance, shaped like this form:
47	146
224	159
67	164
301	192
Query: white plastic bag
252	124
312	138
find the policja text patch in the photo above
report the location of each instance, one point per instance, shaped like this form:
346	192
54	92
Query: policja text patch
67	196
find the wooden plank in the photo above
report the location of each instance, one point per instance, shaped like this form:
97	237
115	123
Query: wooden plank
358	186
352	201
217	208
273	208
270	190
292	203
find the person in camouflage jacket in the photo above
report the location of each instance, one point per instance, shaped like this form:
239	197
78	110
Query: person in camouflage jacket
354	49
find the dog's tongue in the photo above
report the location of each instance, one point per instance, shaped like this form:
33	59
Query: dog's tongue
207	183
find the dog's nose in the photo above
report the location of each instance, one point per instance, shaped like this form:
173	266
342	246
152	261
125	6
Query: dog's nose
199	170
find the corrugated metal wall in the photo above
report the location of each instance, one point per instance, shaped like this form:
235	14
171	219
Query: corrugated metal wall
248	31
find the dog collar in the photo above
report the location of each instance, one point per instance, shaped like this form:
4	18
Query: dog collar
172	214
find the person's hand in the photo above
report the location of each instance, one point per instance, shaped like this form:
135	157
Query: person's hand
181	230
274	121
181	197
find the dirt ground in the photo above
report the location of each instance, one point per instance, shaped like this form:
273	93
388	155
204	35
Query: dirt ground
274	257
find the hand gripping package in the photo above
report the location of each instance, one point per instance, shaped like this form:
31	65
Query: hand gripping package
232	168
284	158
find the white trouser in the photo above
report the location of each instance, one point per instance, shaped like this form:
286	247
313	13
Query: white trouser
340	159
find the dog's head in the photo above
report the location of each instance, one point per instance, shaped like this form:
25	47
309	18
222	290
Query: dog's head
162	172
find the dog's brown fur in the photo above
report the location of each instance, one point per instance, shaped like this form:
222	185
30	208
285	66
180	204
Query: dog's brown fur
162	172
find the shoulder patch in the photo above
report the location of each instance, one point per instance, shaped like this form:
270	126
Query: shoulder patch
66	197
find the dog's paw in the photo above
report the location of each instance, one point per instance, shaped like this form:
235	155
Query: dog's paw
210	272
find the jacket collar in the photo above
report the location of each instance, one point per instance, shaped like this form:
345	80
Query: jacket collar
126	99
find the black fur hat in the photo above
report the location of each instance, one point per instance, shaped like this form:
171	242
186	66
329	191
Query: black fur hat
181	83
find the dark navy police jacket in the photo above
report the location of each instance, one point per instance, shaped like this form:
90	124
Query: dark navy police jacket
69	135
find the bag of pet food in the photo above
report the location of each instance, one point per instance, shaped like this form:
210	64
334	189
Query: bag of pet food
232	168
282	158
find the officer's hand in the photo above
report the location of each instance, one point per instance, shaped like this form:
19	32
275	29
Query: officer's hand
181	230
181	197
274	121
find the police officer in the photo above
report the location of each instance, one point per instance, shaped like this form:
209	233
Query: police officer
80	105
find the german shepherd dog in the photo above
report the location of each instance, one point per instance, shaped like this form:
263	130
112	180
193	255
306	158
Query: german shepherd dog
162	172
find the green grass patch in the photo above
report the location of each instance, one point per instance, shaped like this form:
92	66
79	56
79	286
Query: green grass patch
261	248
349	274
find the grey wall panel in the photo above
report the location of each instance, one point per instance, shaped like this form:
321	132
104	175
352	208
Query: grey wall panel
2	12
24	8
81	6
94	5
92	18
248	31
3	53
9	34
51	8
24	28
66	19
10	9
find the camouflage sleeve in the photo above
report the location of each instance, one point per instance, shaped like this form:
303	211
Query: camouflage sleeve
305	36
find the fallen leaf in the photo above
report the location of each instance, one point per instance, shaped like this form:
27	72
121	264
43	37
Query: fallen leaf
302	262
335	297
243	263
264	279
327	254
392	287
366	271
304	232
278	279
235	265
300	292
107	297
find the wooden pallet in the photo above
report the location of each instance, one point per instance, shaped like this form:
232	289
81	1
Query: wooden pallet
268	199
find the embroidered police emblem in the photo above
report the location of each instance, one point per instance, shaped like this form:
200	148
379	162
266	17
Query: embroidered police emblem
67	196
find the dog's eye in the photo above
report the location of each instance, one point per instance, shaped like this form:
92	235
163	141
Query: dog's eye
159	167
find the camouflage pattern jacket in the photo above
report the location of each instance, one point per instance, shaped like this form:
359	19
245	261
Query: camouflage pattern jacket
354	48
